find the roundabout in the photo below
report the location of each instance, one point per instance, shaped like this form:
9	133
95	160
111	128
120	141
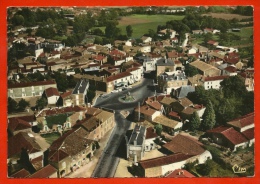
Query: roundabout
127	98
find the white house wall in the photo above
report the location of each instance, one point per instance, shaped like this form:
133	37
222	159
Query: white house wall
247	127
52	100
172	167
204	156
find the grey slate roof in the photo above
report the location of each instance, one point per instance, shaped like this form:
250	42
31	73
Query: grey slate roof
137	135
184	90
81	86
165	62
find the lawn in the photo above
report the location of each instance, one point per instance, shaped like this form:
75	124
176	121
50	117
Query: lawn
50	137
216	170
245	32
142	23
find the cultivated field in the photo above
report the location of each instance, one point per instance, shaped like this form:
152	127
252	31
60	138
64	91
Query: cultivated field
142	23
227	16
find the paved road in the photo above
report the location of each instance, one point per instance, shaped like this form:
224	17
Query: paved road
108	161
141	91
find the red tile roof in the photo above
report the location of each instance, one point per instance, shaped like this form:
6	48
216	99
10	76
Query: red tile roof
16	124
184	144
66	94
180	173
132	69
215	78
99	57
212	42
28	84
116	52
230	69
154	104
218	129
70	144
29	118
231	60
234	136
249	133
52	92
172	54
157	98
174	114
20	174
150	133
164	160
45	172
118	76
145	109
230	134
233	54
243	121
22	141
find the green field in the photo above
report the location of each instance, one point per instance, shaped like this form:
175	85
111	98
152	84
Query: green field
142	23
245	32
50	137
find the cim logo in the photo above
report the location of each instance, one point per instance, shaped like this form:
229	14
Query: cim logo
237	169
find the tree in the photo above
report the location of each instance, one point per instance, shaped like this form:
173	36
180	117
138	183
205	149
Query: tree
234	82
158	128
98	32
111	31
18	20
209	117
22	104
194	121
207	167
12	105
129	30
207	37
41	103
90	95
98	40
190	70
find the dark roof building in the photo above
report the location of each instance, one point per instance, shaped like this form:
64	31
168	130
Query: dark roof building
20	141
184	144
16	125
136	144
46	172
81	86
21	174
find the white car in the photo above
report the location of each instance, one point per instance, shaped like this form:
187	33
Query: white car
114	91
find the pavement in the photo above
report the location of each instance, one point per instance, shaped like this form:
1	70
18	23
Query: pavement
41	141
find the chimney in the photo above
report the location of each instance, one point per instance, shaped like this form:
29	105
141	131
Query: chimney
135	142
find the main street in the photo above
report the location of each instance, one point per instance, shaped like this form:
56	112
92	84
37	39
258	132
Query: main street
108	161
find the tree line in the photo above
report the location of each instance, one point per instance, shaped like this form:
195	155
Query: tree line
230	102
